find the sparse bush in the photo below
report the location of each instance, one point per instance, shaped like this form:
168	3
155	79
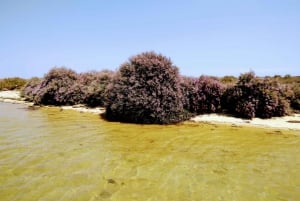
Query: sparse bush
12	83
29	91
255	97
55	89
146	89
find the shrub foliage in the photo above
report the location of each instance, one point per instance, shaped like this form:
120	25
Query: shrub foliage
255	97
202	95
295	98
146	89
93	85
57	88
31	88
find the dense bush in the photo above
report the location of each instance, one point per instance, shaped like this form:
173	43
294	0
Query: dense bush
202	95
146	89
295	99
188	90
29	91
12	83
57	88
209	92
63	86
255	97
93	85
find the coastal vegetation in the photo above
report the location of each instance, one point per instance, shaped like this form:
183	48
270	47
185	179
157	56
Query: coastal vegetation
13	83
148	89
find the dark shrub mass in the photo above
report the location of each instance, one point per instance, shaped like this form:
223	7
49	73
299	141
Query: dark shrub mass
57	88
202	95
31	88
255	97
295	98
12	83
93	86
146	89
188	90
209	92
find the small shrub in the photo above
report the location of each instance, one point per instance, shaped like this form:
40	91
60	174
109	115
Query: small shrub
31	88
55	89
146	89
13	83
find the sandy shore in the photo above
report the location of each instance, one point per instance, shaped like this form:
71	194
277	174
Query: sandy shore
12	97
287	122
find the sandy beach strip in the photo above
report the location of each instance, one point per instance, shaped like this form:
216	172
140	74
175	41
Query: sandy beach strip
286	122
14	95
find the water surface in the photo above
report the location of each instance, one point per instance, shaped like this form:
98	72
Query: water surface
48	154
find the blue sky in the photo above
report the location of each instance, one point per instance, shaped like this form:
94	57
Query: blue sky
216	37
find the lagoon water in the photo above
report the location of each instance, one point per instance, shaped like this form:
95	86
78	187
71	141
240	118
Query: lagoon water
48	154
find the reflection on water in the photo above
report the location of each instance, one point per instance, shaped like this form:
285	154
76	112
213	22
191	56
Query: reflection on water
48	154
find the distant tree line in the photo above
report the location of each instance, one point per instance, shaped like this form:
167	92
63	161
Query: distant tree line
148	89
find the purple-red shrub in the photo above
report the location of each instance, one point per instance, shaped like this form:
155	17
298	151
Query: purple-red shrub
31	88
208	95
295	98
57	88
146	89
94	85
255	97
188	91
202	95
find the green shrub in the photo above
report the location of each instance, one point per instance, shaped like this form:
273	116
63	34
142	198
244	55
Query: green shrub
146	89
13	83
229	80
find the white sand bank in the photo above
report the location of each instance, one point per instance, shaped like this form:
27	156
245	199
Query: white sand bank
83	108
287	122
15	95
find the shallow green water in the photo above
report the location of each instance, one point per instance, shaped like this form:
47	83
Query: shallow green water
48	154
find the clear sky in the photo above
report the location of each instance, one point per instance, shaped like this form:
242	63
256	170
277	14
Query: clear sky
211	37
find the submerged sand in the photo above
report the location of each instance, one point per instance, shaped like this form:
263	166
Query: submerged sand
286	122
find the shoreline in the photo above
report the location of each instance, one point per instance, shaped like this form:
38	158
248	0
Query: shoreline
291	122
